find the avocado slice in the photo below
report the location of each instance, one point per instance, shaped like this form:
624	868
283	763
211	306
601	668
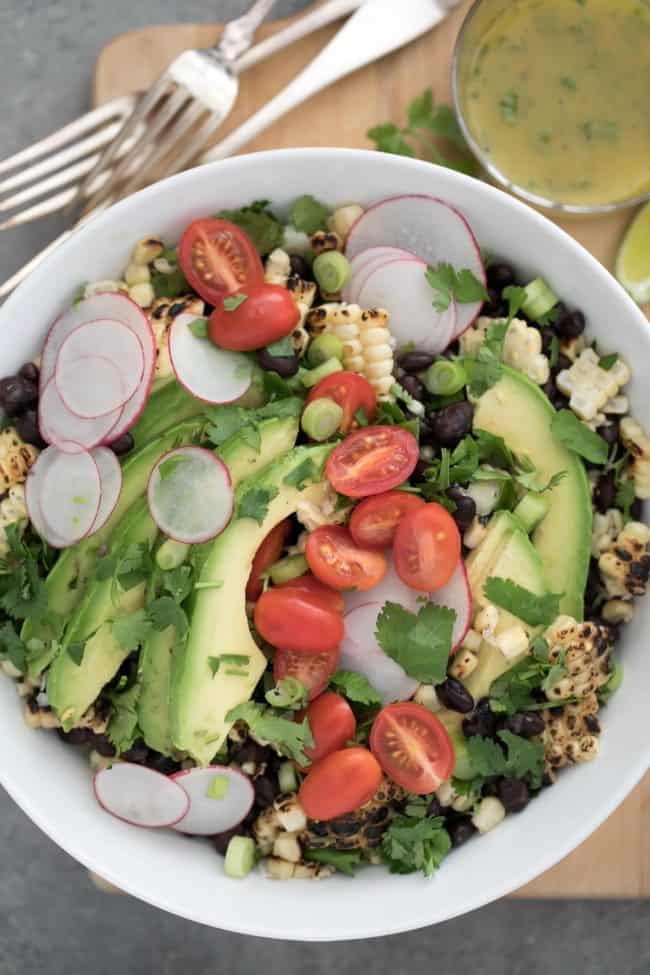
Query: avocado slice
277	436
453	722
481	561
517	410
201	700
72	687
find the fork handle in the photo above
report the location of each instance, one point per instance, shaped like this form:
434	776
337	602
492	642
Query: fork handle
379	26
238	34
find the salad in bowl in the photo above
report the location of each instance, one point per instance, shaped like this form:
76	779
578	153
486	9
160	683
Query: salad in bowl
319	534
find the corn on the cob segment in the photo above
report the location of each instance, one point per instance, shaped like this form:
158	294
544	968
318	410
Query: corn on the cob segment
16	458
637	442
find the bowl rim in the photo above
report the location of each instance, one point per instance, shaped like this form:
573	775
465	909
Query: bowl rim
521	872
568	209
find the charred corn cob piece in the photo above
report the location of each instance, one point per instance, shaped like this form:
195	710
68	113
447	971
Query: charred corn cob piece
637	442
16	458
161	314
625	566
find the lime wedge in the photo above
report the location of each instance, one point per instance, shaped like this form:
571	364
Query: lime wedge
633	258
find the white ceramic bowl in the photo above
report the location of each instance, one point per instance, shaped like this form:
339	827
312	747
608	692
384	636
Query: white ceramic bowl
52	782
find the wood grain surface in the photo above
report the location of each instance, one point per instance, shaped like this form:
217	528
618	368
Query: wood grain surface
615	861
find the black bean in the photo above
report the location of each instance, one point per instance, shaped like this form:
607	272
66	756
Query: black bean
455	696
414	387
490	786
605	491
27	428
103	745
250	751
494	307
161	763
420	470
138	754
548	334
300	267
16	394
434	808
426	432
415	361
609	432
451	423
465	509
482	722
563	362
527	724
285	365
560	401
265	791
549	389
570	324
514	794
636	510
122	445
221	840
29	371
460	831
500	275
76	736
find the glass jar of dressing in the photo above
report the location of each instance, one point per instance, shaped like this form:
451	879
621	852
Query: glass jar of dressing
553	97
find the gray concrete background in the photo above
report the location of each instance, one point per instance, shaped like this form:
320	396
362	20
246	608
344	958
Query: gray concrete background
52	920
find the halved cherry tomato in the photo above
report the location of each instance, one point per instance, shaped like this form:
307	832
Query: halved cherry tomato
311	669
266	314
314	587
297	621
338	562
374	520
340	783
372	460
218	258
332	724
351	391
426	548
267	554
412	746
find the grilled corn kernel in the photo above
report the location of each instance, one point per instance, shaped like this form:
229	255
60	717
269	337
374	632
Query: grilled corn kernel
474	534
102	287
16	458
277	268
137	274
427	697
617	611
489	814
325	240
287	847
464	663
343	219
142	294
147	250
637	443
278	869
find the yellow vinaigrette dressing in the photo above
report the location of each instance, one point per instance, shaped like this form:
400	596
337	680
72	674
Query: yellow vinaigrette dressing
557	93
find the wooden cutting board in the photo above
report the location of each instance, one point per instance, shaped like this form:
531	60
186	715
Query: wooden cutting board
615	861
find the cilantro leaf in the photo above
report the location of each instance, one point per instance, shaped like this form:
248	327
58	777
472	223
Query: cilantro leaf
420	643
343	860
522	603
199	328
251	436
495	335
494	449
288	692
569	430
355	687
305	472
463	285
12	647
132	630
524	758
22	589
169	283
606	362
165	611
483	371
513	691
290	737
226	421
515	297
232	302
486	756
625	495
261	225
308	215
388	137
411	843
255	503
123	725
177	582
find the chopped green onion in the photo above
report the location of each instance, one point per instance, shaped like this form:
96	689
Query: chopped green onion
171	554
287	778
532	509
240	857
309	377
324	347
218	787
321	419
540	298
292	567
332	271
445	378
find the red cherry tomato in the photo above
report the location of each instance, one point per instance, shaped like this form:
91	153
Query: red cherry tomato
332	724
311	669
340	783
267	554
297	621
218	258
412	746
314	587
372	460
335	559
352	393
267	314
426	548
373	521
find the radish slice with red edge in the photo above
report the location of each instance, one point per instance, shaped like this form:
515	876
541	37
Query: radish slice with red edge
59	426
190	495
110	476
429	228
456	595
401	288
99	367
211	374
219	799
67	489
33	504
361	653
140	796
366	262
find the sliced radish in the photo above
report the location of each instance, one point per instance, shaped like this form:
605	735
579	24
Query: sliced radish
427	227
110	476
67	489
391	588
456	595
207	372
99	367
138	795
365	262
59	426
190	495
361	653
33	504
207	815
401	288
